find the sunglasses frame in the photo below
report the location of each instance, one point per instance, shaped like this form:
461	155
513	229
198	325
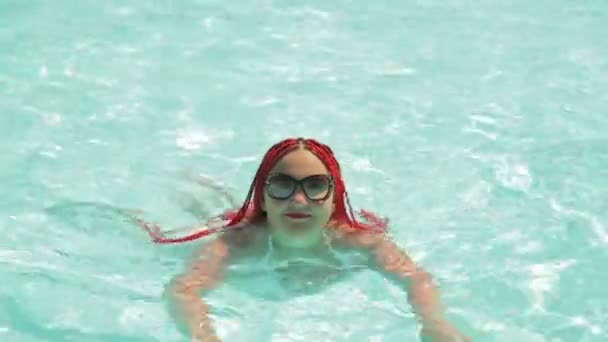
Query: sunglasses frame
299	183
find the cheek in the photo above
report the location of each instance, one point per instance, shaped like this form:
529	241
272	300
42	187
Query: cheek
326	208
270	206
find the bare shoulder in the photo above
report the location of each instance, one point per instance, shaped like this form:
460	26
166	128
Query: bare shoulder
242	238
230	244
385	251
361	239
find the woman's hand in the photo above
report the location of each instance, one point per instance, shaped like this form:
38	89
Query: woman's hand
423	294
442	331
203	273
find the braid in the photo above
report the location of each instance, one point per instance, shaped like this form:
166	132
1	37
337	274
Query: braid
343	214
251	210
340	216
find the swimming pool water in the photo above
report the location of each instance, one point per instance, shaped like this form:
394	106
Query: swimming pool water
478	128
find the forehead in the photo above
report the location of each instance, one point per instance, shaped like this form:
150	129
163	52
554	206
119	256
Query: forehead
299	164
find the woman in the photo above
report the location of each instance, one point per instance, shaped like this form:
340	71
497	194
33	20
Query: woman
298	202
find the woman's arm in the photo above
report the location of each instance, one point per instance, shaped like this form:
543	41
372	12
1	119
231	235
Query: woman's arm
184	291
423	295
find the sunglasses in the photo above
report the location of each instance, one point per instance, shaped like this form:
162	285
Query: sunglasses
280	186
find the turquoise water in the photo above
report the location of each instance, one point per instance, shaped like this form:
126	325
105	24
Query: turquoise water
478	128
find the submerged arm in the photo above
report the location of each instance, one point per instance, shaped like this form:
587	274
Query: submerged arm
423	295
189	310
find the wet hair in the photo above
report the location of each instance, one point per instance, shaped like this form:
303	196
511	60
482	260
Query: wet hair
251	211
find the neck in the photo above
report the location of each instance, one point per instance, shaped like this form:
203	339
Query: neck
318	251
311	241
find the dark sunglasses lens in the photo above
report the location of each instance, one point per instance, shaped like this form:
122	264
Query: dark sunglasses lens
317	188
280	186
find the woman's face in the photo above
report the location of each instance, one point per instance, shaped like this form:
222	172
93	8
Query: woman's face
298	213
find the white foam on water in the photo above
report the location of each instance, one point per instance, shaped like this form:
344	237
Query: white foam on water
596	225
543	278
192	139
44	72
512	172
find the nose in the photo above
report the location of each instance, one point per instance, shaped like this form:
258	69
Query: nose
299	197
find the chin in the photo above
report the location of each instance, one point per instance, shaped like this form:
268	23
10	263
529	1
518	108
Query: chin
297	225
303	228
299	236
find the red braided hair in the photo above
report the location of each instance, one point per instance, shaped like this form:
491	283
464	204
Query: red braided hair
251	210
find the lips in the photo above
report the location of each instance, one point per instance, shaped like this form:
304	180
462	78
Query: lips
297	215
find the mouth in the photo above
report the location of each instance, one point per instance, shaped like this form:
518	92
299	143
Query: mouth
297	216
